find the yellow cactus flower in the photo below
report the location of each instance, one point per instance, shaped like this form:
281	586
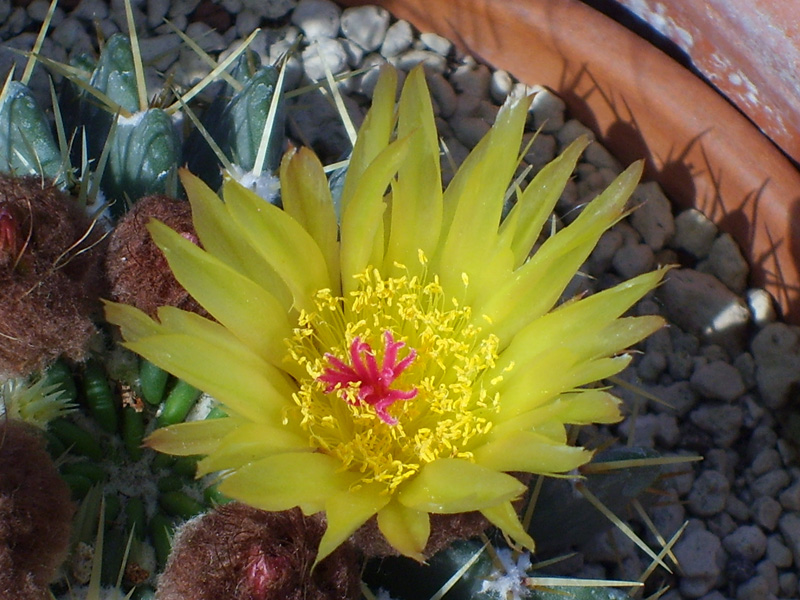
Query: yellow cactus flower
399	360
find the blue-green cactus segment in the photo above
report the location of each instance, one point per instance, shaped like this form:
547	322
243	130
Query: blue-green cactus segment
114	74
143	160
564	518
238	128
481	577
27	145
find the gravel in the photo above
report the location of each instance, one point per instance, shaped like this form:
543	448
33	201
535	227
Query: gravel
722	371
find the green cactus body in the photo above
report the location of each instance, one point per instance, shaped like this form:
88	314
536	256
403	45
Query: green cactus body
238	124
143	160
27	145
144	151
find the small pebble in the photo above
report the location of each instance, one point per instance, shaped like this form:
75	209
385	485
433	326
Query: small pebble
725	261
547	111
778	553
411	58
500	86
398	39
652	217
723	422
436	43
321	55
709	493
761	305
748	541
787	582
770	483
718	380
766	512
365	25
717	314
767	460
756	588
318	19
470	130
789	526
701	556
694	233
790	497
776	350
632	260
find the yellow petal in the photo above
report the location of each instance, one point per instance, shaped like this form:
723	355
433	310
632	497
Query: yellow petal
245	384
474	200
374	134
529	452
577	408
505	517
306	197
417	193
348	510
551	377
362	218
453	485
283	481
221	237
195	437
537	285
250	442
133	323
251	313
536	204
281	241
406	529
578	319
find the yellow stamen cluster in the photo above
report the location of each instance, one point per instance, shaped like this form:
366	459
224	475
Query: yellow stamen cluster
453	407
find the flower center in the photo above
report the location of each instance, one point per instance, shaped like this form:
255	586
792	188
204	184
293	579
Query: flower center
392	339
371	381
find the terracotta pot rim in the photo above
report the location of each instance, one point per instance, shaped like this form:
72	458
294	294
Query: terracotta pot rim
641	104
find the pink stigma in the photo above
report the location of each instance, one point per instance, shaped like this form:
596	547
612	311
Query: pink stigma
374	380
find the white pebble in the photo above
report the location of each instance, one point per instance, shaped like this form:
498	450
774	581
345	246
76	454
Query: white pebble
355	53
182	7
547	111
317	18
762	309
207	38
321	55
398	39
366	26
160	51
471	80
411	58
436	43
500	86
275	9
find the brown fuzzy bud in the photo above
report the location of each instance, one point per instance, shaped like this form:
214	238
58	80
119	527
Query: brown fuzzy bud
49	276
136	269
35	514
242	553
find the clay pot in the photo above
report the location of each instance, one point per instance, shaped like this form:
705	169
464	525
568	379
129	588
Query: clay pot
747	50
642	104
